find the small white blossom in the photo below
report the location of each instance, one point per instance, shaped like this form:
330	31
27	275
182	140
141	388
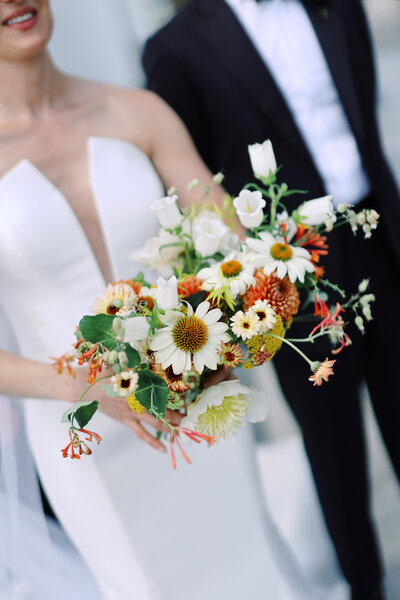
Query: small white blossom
363	286
367	312
329	224
262	158
208	235
249	208
193	184
317	211
135	328
372	218
218	178
166	294
360	323
367	231
168	212
342	207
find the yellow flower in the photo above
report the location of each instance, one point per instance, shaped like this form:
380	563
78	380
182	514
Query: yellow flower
135	405
267	342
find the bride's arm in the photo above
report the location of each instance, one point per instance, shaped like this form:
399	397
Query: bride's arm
174	154
24	378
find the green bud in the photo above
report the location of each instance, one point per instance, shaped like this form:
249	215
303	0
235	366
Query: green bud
123	359
113	356
218	178
106	356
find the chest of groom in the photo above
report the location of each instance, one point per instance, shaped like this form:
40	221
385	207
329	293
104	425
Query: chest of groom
205	65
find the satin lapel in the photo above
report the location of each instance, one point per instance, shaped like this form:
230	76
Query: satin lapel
222	31
331	35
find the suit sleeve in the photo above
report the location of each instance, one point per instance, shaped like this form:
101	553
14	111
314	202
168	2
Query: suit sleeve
173	81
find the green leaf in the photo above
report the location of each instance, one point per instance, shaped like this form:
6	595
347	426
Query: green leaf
133	356
195	299
152	393
98	329
81	411
109	390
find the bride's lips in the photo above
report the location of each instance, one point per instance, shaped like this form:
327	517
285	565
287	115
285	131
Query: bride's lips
22	19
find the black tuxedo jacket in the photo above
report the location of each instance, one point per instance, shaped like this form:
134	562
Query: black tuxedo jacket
205	66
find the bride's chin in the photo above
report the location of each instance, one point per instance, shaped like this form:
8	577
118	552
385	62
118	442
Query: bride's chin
29	45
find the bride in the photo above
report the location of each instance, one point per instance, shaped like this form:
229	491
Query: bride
79	165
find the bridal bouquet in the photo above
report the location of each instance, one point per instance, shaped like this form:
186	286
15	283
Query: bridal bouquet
219	302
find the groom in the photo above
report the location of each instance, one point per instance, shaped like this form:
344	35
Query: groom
302	74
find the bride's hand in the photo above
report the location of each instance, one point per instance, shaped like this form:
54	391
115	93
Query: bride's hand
218	376
118	409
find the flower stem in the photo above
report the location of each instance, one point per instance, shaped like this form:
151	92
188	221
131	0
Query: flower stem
92	384
278	337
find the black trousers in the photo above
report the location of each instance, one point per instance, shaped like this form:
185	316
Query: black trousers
330	416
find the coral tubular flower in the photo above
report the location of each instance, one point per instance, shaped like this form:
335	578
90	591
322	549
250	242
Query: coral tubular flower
192	435
64	362
328	319
76	446
322	372
281	294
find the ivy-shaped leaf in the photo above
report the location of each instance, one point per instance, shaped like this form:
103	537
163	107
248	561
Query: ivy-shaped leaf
81	411
98	329
133	356
152	393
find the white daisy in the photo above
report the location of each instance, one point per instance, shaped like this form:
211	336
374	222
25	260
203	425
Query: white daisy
234	273
245	325
221	409
265	313
188	337
272	254
125	383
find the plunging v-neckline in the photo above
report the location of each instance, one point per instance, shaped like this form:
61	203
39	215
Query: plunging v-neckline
94	197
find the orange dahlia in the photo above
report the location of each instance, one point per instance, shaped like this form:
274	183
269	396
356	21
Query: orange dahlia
282	294
188	286
135	285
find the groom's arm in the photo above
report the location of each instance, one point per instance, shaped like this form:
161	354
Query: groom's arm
171	78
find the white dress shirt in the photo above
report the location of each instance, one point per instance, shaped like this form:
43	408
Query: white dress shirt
285	39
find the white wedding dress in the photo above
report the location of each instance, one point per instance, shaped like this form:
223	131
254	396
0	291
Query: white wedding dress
145	531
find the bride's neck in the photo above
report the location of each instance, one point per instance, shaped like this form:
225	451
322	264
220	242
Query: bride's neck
29	89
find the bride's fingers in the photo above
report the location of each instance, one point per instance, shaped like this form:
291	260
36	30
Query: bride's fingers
174	417
145	436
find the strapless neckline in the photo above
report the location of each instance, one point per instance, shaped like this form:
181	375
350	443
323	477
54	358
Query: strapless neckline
94	145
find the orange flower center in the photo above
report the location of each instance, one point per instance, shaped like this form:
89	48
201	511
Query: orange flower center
231	268
190	334
281	251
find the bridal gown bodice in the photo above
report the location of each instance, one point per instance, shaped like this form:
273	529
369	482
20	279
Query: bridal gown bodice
144	530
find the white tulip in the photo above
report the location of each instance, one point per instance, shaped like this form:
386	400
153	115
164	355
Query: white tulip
135	329
208	235
166	293
249	208
316	212
168	212
262	158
